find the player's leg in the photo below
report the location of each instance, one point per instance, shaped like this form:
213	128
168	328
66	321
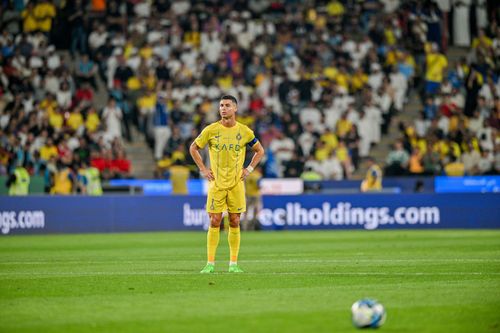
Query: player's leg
236	205
215	206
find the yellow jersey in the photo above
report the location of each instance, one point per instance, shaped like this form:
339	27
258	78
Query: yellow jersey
179	176
252	184
227	148
454	169
44	13
373	179
75	120
435	65
62	182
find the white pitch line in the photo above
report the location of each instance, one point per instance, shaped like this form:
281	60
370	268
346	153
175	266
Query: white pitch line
173	273
319	261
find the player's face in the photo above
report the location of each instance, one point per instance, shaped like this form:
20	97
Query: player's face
227	108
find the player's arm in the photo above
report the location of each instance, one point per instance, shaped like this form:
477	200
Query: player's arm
257	157
194	150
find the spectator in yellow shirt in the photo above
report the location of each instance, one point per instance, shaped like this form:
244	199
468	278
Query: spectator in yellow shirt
455	168
373	178
343	125
344	158
92	122
29	18
49	104
435	64
358	80
56	120
179	175
48	150
252	192
44	13
330	139
146	105
75	120
321	151
335	8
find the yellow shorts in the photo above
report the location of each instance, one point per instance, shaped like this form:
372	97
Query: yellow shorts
231	200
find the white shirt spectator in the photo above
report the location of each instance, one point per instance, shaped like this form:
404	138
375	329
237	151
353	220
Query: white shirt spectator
138	25
143	9
73	143
332	115
53	61
112	117
374	114
311	115
349	46
485	136
197	90
471	160
273	102
36	62
134	61
476	124
179	94
162	49
51	83
376	77
211	49
352	115
422	126
180	7
341	102
282	149
390	5
4	119
63	98
331	168
485	163
365	131
306	141
313	164
213	92
97	38
154	36
400	85
458	99
444	124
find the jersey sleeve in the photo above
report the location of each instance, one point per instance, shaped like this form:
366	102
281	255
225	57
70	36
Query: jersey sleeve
202	139
251	139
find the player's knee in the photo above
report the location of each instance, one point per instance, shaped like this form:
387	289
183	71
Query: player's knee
234	220
215	221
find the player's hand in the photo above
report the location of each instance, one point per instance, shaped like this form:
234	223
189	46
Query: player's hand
208	174
244	174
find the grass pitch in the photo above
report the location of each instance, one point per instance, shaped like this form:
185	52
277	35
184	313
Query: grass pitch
429	281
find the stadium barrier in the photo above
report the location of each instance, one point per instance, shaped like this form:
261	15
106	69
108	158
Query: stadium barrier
82	214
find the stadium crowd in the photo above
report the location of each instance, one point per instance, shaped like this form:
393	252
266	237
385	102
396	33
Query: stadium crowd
318	81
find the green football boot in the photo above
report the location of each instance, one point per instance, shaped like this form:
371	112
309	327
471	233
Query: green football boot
235	269
209	268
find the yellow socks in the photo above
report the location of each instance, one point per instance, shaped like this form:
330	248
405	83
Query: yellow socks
233	238
234	243
212	242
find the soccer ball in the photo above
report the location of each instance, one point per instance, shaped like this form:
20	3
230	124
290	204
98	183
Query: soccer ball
368	313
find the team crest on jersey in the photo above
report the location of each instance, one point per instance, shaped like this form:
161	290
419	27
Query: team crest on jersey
238	136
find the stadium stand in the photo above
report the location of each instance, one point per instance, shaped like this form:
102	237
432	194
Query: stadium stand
320	82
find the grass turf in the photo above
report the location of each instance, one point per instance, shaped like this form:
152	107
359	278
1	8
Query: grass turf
429	281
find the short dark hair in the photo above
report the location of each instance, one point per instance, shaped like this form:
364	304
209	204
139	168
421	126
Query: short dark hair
231	97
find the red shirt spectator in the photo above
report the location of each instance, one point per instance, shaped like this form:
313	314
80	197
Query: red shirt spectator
84	93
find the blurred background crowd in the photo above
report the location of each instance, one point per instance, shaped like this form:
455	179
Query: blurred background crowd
320	83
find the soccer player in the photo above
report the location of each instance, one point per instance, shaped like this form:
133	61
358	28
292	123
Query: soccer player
227	140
